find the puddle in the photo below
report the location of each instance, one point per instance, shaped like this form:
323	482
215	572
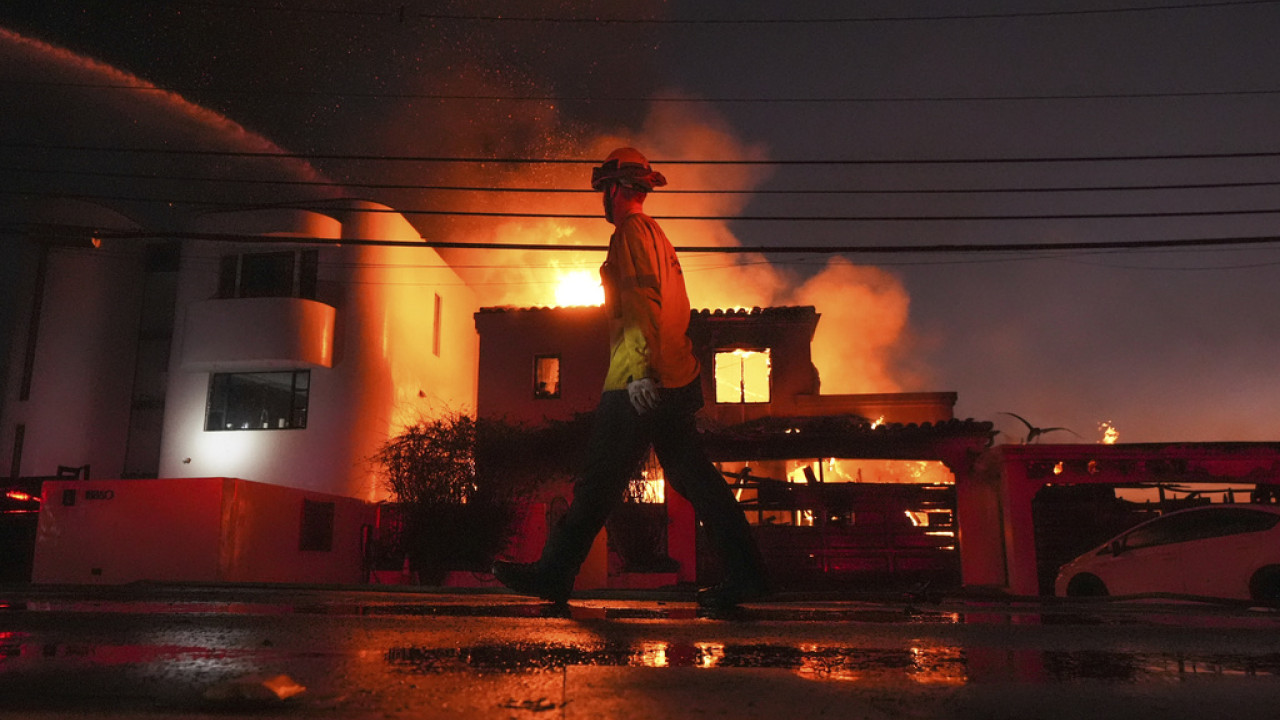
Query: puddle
1139	667
488	608
926	664
923	665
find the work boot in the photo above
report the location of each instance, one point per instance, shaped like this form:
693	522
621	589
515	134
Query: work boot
528	579
731	593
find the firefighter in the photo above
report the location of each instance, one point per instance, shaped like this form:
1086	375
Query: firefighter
651	393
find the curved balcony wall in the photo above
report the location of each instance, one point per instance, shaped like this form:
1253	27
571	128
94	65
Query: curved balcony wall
245	334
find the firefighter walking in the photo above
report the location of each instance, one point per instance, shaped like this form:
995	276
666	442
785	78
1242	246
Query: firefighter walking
651	394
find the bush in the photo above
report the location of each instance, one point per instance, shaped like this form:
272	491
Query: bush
459	484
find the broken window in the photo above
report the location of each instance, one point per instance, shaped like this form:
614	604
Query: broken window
742	376
546	376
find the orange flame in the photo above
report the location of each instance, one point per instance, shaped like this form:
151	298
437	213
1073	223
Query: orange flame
859	346
578	288
1109	433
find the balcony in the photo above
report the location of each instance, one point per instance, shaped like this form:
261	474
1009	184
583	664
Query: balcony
243	334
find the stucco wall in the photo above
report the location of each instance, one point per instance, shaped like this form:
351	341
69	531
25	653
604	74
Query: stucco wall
77	411
384	372
510	339
191	530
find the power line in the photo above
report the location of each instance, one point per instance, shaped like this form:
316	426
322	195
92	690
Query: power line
845	20
290	92
401	14
664	191
80	232
478	160
692	267
701	218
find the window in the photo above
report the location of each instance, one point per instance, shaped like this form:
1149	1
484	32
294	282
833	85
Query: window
1200	525
546	377
435	326
258	401
273	274
742	376
15	464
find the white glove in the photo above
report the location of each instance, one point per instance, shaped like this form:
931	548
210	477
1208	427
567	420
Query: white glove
643	394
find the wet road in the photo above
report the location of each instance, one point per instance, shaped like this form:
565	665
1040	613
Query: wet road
222	652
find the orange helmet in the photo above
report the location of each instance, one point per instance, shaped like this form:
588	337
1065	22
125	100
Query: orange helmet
627	167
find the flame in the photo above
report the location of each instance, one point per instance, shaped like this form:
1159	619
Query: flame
862	342
878	422
579	288
742	376
1109	432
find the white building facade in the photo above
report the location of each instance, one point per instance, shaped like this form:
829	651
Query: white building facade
277	346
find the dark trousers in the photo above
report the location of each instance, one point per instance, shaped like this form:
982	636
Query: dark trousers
620	440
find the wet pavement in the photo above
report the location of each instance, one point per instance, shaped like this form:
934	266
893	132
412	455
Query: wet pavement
219	652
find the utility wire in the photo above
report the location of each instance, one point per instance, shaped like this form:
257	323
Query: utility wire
82	232
745	100
666	161
321	207
691	266
664	191
400	14
844	20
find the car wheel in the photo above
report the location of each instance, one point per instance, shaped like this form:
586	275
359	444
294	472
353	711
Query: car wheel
1086	585
1264	587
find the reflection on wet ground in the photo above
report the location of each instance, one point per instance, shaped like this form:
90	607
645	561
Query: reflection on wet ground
1136	667
919	661
931	664
591	610
72	651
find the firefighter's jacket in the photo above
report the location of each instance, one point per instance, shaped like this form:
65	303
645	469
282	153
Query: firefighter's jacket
647	306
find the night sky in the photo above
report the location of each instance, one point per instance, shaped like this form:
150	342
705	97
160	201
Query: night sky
923	123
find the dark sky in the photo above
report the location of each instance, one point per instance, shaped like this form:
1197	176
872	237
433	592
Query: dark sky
953	111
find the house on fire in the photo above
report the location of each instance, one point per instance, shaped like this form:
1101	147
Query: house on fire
201	405
838	486
228	385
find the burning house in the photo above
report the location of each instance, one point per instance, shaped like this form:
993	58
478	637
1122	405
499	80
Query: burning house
230	383
839	487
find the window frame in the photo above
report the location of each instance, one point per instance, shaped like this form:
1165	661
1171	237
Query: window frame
299	402
304	270
538	358
743	395
1197	526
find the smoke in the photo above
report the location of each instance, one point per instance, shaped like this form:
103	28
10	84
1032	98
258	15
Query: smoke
861	338
860	343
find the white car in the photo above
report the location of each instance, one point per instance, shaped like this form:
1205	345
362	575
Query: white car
1221	551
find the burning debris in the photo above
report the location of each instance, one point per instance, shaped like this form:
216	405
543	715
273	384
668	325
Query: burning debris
1109	433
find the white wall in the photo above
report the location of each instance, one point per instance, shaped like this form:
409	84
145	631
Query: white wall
384	371
77	412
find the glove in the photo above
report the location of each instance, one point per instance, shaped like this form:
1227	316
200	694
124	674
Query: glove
643	394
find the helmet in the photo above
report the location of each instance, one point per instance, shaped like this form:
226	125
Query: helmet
627	167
